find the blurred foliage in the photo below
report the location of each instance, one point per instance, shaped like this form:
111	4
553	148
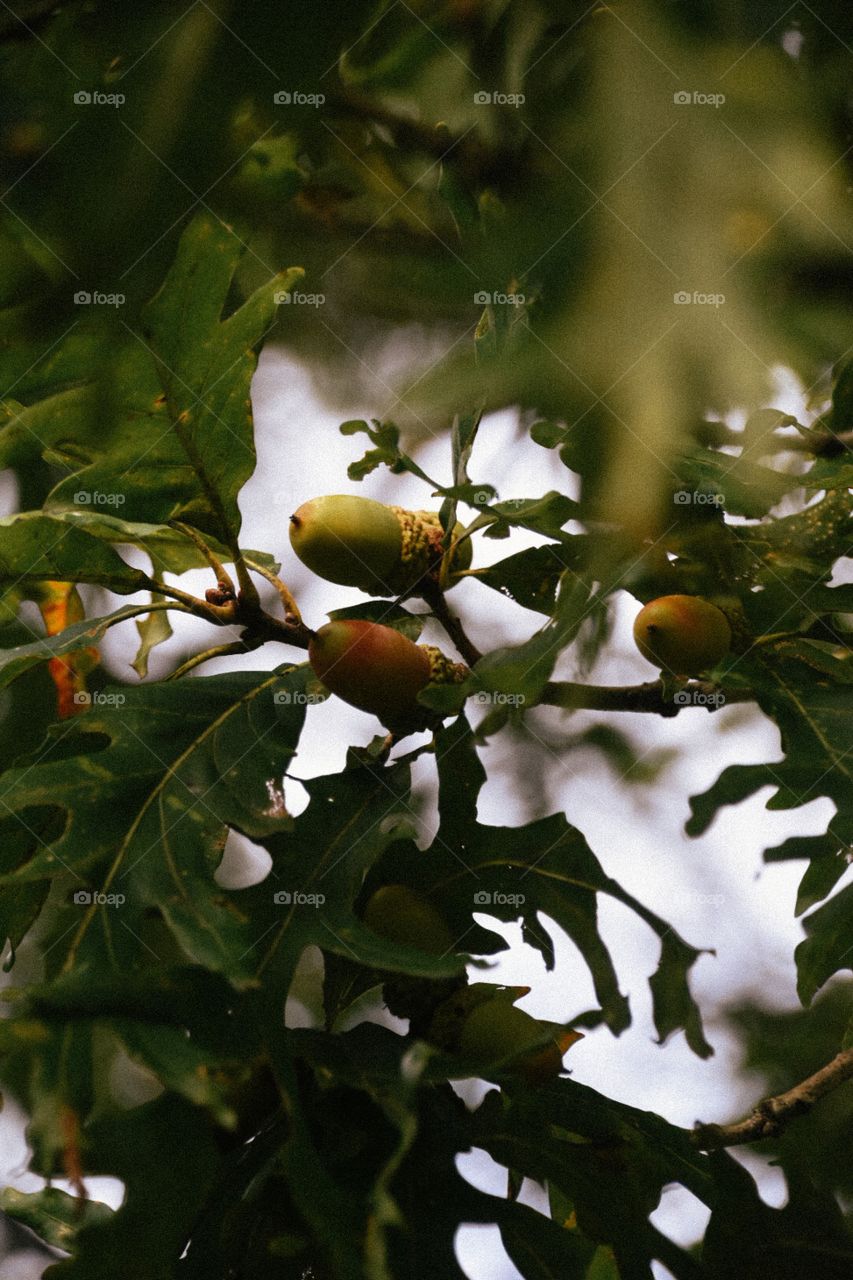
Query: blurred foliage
785	1046
621	222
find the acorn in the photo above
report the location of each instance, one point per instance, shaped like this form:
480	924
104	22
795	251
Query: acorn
399	914
683	635
402	915
379	670
383	550
496	1030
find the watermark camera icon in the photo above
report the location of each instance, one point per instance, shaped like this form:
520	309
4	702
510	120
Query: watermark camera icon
481	98
482	299
82	98
682	297
482	898
284	898
682	98
88	898
699	698
286	98
284	698
82	298
683	498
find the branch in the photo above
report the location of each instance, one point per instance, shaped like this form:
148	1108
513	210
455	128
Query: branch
434	597
641	697
771	1115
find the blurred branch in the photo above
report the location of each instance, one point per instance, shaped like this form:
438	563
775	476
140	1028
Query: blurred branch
641	697
477	158
771	1115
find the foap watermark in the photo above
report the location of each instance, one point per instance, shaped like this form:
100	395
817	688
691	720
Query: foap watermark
485	299
484	898
483	497
95	98
695	98
699	698
294	298
99	699
494	698
94	898
96	498
295	898
85	298
687	497
297	698
486	97
689	896
685	298
296	98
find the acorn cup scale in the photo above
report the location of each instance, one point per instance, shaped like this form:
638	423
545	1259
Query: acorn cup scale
358	542
379	670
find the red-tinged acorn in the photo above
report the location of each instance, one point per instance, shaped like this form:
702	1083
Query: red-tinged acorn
381	549
379	670
683	635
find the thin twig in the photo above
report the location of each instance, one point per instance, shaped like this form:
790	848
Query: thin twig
219	614
222	575
218	651
771	1115
291	608
640	697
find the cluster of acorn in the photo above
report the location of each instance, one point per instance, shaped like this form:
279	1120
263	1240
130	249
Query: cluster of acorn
479	1021
390	551
387	551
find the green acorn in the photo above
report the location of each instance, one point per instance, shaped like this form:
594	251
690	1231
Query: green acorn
357	542
400	914
379	670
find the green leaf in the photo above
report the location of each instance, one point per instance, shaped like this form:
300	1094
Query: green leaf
154	629
161	772
54	1215
135	1146
531	577
525	669
806	1237
35	547
828	947
160	428
543	867
386	613
609	1160
385	437
170	549
13	662
806	687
